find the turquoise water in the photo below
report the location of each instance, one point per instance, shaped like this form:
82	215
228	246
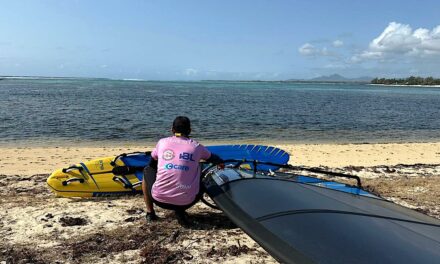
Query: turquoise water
86	110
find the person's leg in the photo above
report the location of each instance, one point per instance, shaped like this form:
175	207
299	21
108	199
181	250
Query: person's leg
179	212
148	201
181	215
147	184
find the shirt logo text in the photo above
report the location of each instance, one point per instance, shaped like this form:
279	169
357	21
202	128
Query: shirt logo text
186	156
171	166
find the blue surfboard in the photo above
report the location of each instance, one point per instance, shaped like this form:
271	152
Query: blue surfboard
247	153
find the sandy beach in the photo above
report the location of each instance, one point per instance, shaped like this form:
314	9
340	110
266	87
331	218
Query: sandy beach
37	227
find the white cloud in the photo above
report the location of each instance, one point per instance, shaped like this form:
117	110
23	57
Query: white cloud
309	50
401	40
337	65
338	43
190	72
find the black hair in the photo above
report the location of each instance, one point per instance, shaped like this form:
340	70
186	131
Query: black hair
181	124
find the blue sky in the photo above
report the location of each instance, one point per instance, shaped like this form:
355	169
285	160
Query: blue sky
193	40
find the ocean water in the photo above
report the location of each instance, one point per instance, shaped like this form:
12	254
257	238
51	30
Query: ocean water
96	110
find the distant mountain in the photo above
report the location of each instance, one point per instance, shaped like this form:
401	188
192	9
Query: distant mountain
340	78
330	78
334	78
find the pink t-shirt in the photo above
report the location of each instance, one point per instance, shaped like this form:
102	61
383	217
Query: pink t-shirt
178	170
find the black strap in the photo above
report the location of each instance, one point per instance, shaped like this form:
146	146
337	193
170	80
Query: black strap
73	167
125	170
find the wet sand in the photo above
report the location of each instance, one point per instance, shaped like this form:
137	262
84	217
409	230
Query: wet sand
37	227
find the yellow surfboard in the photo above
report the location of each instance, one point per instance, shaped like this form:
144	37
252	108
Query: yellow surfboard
100	177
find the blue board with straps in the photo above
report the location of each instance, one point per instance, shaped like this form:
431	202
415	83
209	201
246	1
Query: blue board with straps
226	152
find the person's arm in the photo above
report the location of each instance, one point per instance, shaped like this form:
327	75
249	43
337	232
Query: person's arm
153	163
214	159
154	153
154	157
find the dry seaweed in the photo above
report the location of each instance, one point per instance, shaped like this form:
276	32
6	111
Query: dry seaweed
20	255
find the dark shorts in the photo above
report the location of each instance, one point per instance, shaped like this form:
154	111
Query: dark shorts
150	178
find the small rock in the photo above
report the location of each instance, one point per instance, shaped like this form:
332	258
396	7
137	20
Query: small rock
131	219
72	221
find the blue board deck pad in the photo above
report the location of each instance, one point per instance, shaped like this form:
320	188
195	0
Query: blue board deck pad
252	153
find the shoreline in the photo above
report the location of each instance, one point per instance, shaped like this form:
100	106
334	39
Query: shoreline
47	143
31	160
405	85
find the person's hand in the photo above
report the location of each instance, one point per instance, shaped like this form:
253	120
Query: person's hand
221	166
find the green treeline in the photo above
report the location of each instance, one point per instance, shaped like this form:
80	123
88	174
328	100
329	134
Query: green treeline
407	81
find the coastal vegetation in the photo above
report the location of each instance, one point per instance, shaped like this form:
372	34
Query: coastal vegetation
407	81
